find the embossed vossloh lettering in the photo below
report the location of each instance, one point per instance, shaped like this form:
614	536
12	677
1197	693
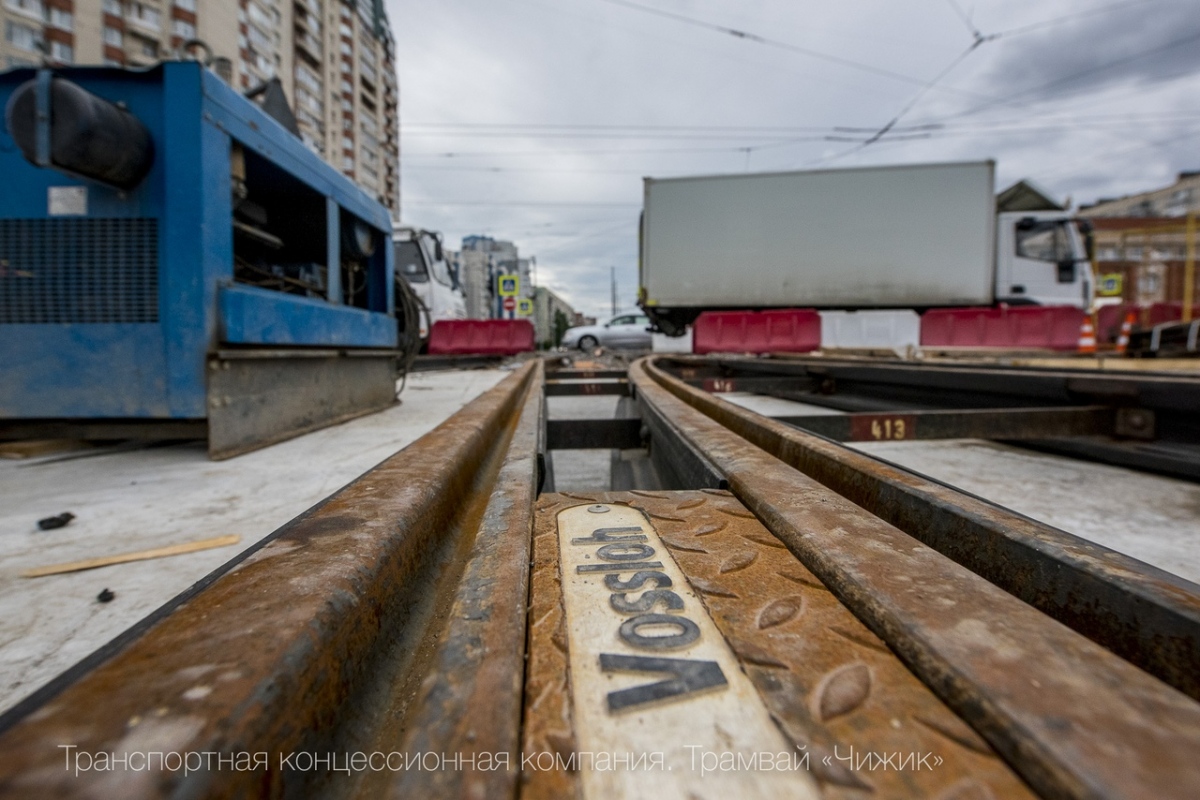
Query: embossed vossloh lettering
650	672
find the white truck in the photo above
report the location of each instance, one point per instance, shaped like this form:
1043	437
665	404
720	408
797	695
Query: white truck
421	263
913	237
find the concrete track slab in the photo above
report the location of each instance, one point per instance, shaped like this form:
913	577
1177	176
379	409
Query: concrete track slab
1151	518
135	500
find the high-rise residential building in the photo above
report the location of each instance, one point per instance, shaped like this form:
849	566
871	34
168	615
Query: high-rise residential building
335	60
111	32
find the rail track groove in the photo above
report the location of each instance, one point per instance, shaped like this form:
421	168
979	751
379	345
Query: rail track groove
767	589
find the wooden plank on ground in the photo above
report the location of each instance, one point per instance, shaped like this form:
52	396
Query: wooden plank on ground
140	555
39	447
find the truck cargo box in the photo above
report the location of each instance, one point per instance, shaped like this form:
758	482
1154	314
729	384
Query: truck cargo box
901	237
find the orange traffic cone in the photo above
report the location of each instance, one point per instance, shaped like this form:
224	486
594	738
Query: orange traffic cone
1126	329
1087	336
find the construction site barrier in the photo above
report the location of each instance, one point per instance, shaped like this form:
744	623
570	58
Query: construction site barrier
1110	318
486	337
869	330
1051	327
785	331
1158	313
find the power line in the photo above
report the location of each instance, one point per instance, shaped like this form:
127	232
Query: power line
545	153
1072	77
756	39
437	161
518	204
879	134
544	231
1057	20
1093	158
625	225
769	131
978	35
966	20
609	126
917	97
509	170
611	136
897	133
979	40
1096	122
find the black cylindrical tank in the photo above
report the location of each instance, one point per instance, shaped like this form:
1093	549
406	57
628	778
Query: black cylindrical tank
89	136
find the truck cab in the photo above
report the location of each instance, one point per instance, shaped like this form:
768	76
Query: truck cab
1042	259
421	263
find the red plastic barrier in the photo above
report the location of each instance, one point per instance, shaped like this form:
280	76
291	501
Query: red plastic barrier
1168	312
788	331
1052	327
1109	320
484	337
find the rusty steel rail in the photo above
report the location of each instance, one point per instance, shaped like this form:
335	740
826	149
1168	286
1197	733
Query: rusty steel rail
1142	613
410	581
1006	423
471	702
1071	717
1163	407
992	384
423	609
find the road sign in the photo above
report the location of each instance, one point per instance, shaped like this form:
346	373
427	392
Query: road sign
508	286
525	307
510	303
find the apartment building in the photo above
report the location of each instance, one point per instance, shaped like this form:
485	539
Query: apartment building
336	61
334	58
475	276
482	259
547	308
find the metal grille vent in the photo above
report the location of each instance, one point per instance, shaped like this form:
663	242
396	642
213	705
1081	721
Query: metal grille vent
80	270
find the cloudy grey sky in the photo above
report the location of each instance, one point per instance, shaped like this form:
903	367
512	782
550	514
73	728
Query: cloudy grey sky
535	120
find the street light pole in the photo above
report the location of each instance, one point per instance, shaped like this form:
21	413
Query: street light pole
612	273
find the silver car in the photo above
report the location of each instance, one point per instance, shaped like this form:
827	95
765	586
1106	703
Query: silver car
624	331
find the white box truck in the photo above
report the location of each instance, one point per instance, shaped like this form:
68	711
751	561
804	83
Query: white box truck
916	236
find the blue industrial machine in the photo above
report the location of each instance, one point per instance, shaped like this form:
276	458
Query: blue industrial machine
175	262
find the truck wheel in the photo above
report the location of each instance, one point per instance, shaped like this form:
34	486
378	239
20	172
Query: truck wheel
588	343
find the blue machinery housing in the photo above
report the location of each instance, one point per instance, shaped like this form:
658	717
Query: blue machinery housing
241	290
